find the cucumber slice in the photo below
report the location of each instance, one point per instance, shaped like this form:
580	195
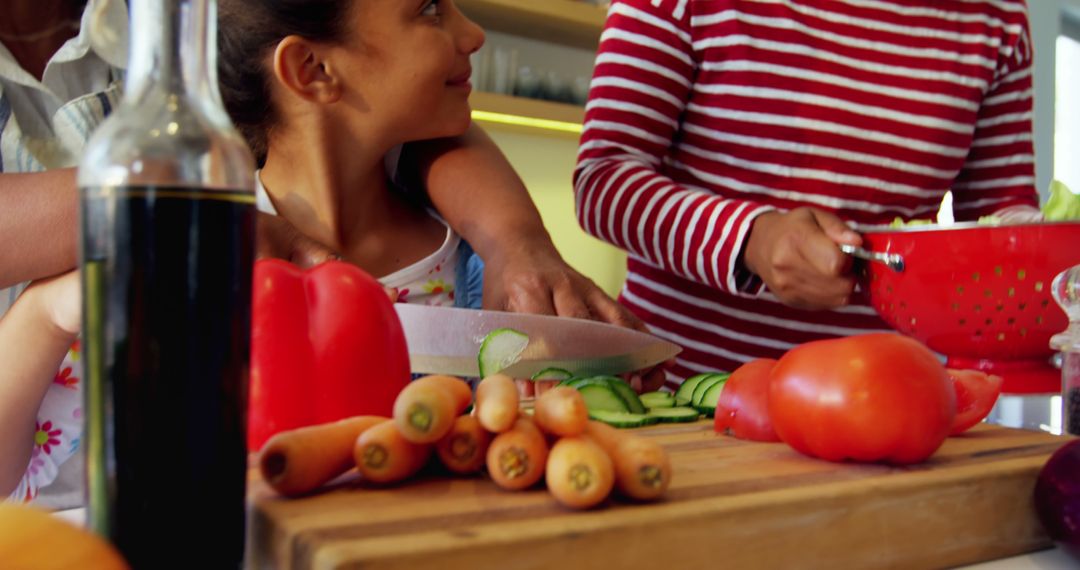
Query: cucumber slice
578	381
703	387
654	400
712	395
499	349
674	415
682	402
686	389
622	419
633	402
600	396
552	374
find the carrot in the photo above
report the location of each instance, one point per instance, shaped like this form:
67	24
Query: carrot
516	458
561	411
426	408
579	472
464	449
642	466
497	403
383	455
607	436
299	461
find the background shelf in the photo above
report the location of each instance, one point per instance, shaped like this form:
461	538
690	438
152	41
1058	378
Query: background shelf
566	22
555	118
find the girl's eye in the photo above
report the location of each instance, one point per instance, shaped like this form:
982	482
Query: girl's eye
431	9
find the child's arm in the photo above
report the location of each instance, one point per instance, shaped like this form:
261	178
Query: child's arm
35	334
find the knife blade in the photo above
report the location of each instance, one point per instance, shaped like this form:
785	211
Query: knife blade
444	340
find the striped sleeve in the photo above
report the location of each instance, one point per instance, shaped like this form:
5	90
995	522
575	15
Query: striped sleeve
999	171
644	74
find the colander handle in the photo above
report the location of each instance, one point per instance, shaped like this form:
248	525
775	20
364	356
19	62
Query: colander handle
893	261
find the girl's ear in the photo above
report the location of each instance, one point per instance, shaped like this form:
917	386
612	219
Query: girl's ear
299	66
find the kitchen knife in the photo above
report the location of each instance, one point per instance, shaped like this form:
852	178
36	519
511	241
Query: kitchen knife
446	340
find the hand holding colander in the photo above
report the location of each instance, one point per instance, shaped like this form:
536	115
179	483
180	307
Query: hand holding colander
978	294
891	260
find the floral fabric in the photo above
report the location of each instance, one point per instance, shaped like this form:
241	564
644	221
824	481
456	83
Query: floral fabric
58	429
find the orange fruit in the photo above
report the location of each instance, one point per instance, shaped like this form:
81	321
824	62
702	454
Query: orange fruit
32	539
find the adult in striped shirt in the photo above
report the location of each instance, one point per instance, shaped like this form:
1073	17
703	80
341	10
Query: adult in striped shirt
730	145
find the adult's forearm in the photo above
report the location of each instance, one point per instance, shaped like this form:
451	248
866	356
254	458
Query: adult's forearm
38	225
468	178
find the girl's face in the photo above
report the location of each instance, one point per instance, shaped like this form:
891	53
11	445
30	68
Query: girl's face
405	67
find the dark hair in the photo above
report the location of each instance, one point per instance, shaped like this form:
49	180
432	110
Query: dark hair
250	29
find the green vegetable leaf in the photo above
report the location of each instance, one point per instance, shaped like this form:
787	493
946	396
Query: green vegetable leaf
1063	205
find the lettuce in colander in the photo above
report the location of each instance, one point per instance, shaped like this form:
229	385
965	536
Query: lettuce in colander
1063	206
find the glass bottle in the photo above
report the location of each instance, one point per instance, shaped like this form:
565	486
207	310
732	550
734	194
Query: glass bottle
1066	291
167	246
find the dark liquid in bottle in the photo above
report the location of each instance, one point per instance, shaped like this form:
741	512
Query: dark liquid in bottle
1072	411
167	279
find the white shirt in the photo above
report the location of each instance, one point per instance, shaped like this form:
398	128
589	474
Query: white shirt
45	124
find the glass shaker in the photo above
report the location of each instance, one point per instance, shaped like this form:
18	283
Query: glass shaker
1066	291
167	247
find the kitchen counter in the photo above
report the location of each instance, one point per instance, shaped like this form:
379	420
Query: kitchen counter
283	527
744	504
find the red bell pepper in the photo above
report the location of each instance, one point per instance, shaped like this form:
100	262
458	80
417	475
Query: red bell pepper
326	344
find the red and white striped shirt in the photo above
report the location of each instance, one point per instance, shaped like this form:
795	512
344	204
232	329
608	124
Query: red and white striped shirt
704	114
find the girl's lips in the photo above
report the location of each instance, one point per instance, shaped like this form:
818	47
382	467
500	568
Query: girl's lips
461	80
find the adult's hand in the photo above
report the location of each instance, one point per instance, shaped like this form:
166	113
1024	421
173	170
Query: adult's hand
277	238
796	254
538	280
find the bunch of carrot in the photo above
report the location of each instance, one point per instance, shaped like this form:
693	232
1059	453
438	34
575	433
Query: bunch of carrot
582	460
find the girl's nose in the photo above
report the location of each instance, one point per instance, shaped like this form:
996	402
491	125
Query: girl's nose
470	37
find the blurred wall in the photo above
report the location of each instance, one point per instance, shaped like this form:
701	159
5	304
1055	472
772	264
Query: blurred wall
546	164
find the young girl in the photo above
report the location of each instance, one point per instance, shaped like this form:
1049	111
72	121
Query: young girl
325	92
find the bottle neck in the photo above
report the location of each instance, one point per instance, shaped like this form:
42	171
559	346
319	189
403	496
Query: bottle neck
173	47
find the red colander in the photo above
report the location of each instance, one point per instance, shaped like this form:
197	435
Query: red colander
978	294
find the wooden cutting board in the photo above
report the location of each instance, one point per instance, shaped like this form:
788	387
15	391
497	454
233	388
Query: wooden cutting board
732	504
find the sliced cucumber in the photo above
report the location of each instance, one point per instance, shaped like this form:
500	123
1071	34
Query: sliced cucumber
622	419
703	387
654	400
633	402
578	381
674	415
686	389
552	374
600	396
499	349
712	396
681	402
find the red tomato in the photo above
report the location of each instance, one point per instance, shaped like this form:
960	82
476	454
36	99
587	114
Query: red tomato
875	397
326	344
744	403
976	394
